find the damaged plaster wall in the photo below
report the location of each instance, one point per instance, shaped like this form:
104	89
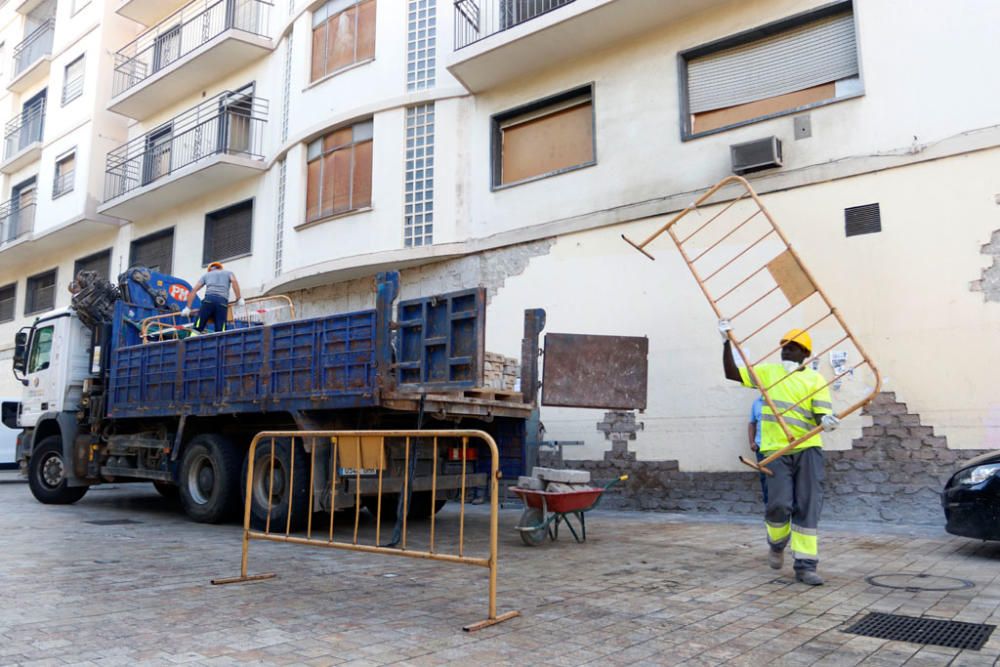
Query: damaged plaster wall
989	284
489	269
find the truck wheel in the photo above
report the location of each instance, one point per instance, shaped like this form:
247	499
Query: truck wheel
282	496
210	472
420	505
47	474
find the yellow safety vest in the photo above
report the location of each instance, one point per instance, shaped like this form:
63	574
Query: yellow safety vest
789	396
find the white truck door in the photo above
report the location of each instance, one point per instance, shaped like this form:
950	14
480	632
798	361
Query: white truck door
42	373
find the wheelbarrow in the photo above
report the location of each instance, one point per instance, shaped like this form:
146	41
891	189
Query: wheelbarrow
545	510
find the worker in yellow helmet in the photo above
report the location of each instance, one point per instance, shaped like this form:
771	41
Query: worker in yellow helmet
795	491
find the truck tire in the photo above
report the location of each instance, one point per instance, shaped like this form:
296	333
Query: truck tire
167	490
281	498
210	473
47	474
420	505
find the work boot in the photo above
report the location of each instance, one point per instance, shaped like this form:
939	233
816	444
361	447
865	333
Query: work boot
808	577
776	558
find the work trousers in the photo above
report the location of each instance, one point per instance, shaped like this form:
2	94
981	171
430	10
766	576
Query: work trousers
795	499
215	309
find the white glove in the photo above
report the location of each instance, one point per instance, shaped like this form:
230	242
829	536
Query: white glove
241	302
185	311
724	328
829	422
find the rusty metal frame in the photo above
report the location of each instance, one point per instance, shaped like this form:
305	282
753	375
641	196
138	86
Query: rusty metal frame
167	322
334	438
738	344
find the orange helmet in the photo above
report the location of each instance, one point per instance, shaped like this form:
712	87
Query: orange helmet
215	265
799	336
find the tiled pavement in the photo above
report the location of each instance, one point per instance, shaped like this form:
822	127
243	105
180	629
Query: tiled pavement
645	589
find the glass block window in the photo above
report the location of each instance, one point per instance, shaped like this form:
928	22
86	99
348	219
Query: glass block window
421	43
418	226
279	226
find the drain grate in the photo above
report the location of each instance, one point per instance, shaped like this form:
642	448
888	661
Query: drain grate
111	522
953	634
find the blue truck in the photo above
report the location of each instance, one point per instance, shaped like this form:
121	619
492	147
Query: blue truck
109	399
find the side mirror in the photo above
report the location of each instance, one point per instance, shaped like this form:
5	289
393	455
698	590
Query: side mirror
20	351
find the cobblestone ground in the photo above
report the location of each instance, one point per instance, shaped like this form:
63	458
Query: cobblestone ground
645	589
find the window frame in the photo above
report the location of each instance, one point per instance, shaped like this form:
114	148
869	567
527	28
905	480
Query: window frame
34	363
30	307
169	231
56	193
205	260
82	59
88	258
354	63
13	306
307	221
496	134
748	37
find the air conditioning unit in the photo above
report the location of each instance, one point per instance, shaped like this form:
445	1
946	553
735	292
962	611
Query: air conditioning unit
756	155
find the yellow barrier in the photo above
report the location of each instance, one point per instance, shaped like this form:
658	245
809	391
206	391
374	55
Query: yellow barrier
357	450
257	310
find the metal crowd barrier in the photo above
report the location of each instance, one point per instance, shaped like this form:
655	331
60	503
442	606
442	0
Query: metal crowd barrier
354	451
750	275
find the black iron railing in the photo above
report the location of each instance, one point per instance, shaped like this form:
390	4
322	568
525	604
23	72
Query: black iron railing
478	19
231	123
17	217
182	32
35	46
24	130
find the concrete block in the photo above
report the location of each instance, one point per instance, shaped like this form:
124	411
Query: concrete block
532	483
564	476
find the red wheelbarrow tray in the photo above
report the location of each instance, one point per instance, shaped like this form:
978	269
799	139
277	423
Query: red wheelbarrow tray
560	501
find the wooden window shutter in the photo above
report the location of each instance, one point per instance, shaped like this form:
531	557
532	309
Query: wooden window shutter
548	143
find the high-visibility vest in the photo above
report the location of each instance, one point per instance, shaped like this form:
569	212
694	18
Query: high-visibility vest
789	396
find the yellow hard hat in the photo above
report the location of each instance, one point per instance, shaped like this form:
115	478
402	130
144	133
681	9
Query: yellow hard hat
798	336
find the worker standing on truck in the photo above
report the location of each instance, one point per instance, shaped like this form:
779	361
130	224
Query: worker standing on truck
795	491
215	305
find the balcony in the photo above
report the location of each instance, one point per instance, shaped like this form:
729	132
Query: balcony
497	41
32	58
23	139
201	43
211	146
17	219
147	12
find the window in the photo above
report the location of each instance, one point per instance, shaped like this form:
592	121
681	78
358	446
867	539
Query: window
41	293
79	4
340	172
99	262
155	251
343	34
228	233
544	138
41	349
65	171
776	69
8	295
72	81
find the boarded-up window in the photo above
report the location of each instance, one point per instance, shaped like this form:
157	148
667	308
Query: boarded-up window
339	172
343	34
8	295
41	293
545	138
228	233
73	81
99	262
155	252
775	69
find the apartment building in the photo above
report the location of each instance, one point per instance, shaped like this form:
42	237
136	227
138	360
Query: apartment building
510	143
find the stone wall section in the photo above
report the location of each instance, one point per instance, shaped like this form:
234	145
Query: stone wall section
894	472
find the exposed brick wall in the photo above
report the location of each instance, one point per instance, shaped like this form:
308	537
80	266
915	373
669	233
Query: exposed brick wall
500	372
989	284
894	472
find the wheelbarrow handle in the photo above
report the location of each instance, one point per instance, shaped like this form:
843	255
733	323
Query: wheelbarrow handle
622	478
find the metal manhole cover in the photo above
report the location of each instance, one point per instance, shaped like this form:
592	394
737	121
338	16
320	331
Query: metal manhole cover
953	634
111	522
919	582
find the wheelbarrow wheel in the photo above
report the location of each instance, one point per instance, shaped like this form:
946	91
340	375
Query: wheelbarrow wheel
532	516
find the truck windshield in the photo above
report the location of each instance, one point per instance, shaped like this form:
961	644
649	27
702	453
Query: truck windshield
41	350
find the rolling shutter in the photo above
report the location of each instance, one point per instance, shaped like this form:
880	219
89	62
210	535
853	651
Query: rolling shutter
816	53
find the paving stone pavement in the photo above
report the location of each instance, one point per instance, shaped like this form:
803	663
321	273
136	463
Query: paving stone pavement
646	589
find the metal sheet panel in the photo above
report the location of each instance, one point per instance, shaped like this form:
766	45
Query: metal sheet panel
584	371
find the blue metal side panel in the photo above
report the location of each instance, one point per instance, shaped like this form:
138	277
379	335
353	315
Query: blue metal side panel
201	369
347	354
242	362
441	341
160	374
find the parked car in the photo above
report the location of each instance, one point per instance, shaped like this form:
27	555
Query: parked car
8	435
971	499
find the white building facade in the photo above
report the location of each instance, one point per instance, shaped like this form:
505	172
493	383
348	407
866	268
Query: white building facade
510	143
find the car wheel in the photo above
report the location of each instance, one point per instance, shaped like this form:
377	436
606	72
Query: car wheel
47	474
210	473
